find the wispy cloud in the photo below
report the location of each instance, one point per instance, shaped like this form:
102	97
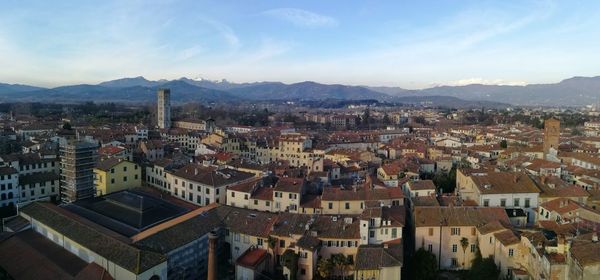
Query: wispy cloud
302	18
189	52
482	81
226	32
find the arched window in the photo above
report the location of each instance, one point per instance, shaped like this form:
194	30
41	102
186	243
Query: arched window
3	196
10	195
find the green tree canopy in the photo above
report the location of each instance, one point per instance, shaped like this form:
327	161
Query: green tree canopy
483	268
423	265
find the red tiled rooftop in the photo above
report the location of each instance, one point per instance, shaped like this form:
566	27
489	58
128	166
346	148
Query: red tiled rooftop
252	258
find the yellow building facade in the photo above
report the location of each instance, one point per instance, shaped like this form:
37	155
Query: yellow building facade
112	175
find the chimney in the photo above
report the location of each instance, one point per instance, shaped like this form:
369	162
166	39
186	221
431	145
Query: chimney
212	255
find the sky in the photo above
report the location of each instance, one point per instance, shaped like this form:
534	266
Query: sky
410	44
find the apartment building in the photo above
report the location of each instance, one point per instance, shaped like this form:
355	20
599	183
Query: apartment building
450	233
203	185
116	174
500	189
9	186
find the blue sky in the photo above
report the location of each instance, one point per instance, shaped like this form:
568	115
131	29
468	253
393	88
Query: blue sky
412	44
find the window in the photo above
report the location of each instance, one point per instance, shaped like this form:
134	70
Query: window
347	205
528	203
454	262
511	252
135	177
330	205
372	234
125	179
245	196
486	202
517	202
490	240
282	243
290	196
455	231
503	202
473	248
112	181
232	194
267	203
430	231
430	247
255	202
454	248
112	170
124	168
394	232
302	271
259	242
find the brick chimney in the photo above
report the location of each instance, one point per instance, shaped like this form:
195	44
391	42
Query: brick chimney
212	255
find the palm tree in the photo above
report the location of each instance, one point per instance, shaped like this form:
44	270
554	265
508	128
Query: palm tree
272	242
324	267
464	243
348	265
338	261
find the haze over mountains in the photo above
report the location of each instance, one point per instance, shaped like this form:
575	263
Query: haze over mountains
570	92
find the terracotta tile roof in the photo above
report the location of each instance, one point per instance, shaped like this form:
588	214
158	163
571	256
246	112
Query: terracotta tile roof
490	227
537	164
252	258
109	163
425	201
246	187
458	216
212	176
110	150
264	193
374	257
287	184
586	251
552	186
421	185
308	242
326	227
505	182
561	205
507	237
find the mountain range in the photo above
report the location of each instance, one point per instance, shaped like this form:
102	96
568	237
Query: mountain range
575	91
